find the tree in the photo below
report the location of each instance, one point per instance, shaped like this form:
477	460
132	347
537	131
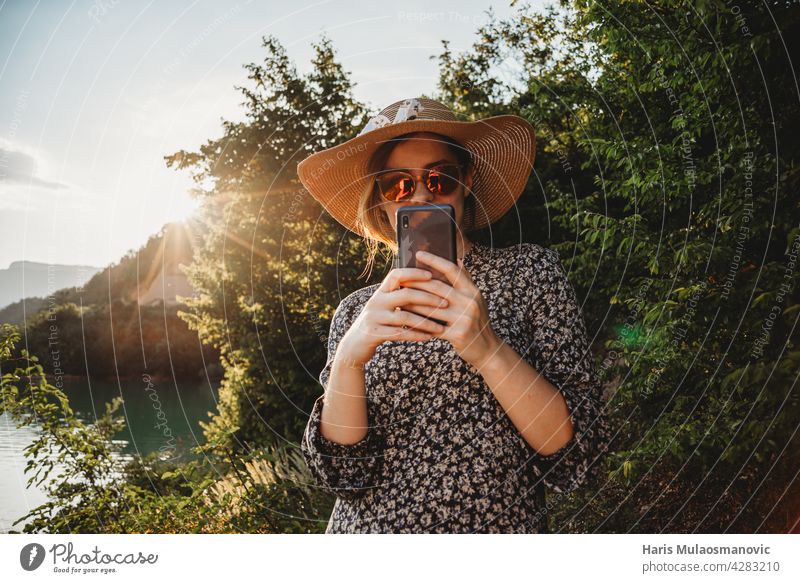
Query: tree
272	265
667	160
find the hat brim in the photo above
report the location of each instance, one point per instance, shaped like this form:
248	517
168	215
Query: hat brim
503	149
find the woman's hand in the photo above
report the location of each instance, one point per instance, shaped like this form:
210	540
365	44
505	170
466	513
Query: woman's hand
467	318
382	317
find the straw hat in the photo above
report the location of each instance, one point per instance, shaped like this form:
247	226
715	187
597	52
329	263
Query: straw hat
503	149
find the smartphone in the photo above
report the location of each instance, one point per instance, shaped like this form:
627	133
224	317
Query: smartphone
431	228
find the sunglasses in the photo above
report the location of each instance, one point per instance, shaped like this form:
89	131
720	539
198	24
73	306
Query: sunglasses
398	185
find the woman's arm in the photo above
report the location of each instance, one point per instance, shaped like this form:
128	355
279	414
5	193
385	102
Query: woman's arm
344	416
558	412
535	407
551	393
343	445
347	462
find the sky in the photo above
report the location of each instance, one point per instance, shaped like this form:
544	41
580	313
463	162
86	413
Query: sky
94	94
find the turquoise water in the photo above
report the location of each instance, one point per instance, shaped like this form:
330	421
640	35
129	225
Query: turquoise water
161	415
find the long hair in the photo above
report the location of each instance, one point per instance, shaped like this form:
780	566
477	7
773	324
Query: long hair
372	218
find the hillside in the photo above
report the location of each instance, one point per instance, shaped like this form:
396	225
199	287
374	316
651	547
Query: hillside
29	279
141	274
123	321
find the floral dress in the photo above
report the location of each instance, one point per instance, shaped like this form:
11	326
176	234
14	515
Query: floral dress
440	454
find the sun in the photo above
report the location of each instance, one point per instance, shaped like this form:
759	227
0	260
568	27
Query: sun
182	207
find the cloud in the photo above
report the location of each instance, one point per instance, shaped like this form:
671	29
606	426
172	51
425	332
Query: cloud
17	167
23	187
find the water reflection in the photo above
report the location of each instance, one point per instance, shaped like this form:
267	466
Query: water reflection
160	415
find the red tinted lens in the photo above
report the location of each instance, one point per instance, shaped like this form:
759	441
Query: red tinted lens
396	186
443	179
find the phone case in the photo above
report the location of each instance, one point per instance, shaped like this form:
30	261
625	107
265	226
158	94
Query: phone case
430	228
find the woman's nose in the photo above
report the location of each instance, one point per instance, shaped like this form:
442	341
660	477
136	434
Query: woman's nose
421	194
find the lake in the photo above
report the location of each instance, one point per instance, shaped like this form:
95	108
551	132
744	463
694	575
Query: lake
159	416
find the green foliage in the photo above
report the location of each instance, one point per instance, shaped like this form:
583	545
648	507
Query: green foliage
71	461
272	264
657	127
122	339
92	489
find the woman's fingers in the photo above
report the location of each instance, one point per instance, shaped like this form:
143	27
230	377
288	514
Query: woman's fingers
455	275
442	314
400	333
402	318
404	296
436	287
397	276
383	317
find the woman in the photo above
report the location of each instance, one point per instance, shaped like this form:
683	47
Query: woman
448	428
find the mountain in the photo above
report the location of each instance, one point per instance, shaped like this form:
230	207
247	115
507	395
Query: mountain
31	279
123	321
146	275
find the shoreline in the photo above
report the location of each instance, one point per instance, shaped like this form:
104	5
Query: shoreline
153	377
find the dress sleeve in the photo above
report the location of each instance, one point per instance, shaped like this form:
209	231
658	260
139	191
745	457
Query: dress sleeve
561	352
347	470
